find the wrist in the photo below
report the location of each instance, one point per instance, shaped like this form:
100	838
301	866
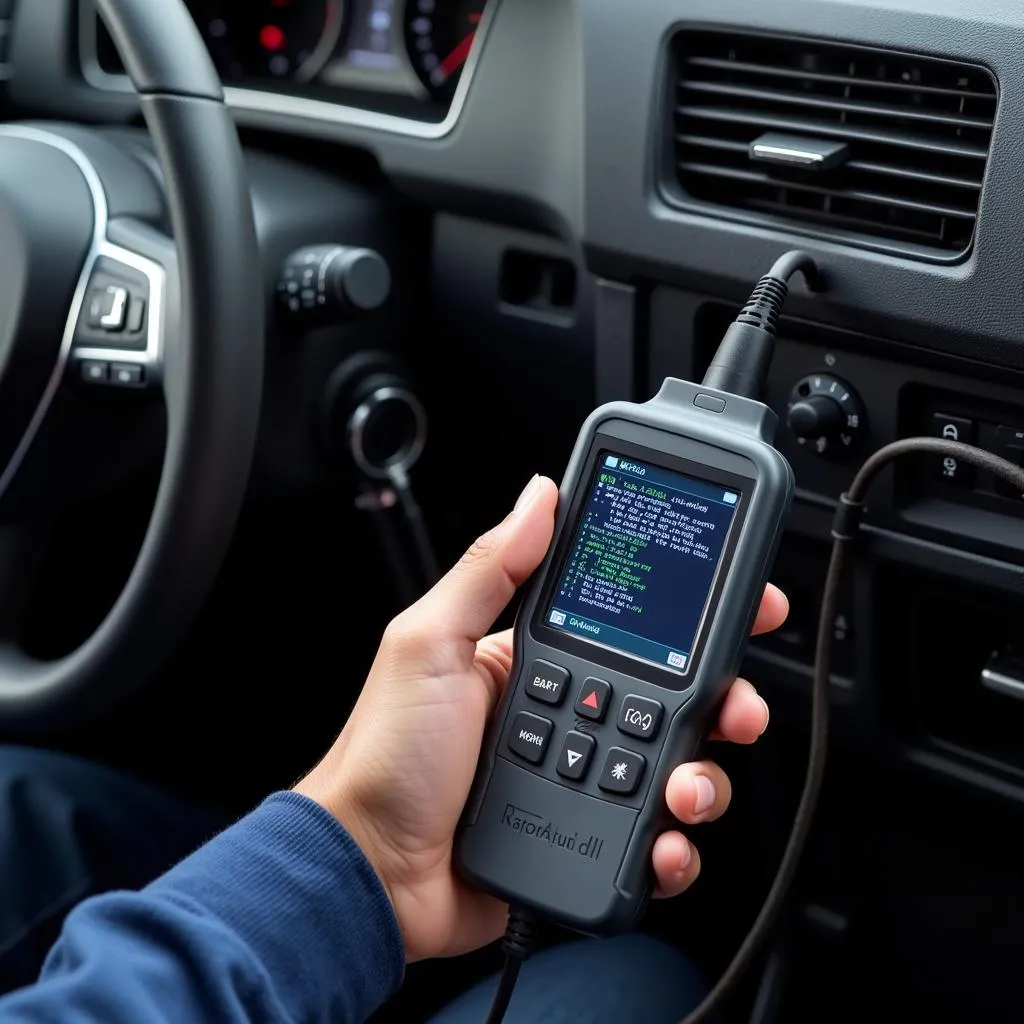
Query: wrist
343	805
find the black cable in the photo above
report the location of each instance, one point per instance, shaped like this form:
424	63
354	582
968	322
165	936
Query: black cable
503	995
517	945
795	261
744	356
844	530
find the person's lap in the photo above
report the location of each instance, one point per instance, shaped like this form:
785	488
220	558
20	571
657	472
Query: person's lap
71	828
633	979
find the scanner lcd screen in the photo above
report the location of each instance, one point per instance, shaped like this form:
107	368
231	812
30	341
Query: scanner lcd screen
642	563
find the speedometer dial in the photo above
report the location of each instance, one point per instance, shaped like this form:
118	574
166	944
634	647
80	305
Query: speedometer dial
440	35
268	39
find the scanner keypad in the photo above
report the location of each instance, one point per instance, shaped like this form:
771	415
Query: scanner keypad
593	729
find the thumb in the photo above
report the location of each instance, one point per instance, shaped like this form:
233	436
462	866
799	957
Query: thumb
465	603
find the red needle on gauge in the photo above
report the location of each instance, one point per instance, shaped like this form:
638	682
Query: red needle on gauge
458	56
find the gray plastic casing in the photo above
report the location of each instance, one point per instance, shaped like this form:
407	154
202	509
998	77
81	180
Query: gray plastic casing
566	851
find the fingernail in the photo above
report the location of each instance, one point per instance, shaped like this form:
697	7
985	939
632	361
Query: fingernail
530	492
705	794
767	713
685	858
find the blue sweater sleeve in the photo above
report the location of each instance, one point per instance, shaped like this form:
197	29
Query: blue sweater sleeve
279	918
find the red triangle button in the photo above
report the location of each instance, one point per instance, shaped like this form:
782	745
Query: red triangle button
591	700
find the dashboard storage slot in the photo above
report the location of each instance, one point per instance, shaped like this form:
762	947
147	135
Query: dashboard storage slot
968	672
865	146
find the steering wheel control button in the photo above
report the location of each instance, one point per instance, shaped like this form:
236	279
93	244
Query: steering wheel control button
136	315
547	683
950	471
114	312
127	375
108	308
622	772
95	371
574	760
529	737
640	717
593	699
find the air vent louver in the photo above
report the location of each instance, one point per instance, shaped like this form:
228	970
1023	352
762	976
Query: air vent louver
6	17
916	132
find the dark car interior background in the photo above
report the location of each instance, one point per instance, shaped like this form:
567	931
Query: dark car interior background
476	220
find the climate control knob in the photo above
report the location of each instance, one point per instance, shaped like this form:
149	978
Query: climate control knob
826	415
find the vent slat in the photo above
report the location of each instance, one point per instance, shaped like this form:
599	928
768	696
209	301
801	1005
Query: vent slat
917	133
763	122
733	174
892	170
926	177
767	71
852	224
770	96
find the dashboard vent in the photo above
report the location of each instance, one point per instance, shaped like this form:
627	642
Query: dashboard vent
6	20
861	145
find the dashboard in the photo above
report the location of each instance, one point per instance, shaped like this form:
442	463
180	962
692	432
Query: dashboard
403	58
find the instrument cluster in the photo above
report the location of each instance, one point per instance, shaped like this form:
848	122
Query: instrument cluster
403	57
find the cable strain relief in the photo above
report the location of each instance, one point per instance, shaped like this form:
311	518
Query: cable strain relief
848	517
764	306
520	935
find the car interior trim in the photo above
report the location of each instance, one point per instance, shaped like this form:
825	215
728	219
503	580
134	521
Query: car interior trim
258	101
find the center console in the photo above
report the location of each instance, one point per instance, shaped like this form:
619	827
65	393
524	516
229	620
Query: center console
929	634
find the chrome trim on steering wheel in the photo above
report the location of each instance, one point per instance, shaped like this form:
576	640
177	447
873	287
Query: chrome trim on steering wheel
99	246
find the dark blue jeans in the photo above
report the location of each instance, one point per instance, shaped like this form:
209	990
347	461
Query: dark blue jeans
633	979
70	829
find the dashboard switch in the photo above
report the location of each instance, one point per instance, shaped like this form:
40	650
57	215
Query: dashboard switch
953	428
1010	447
950	471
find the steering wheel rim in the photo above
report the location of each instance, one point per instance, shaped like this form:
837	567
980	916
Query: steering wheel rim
212	379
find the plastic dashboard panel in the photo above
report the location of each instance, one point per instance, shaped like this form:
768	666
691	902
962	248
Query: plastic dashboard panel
558	129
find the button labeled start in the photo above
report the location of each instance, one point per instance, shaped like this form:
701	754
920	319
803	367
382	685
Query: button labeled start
529	737
546	682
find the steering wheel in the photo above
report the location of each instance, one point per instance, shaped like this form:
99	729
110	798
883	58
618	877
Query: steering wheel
95	298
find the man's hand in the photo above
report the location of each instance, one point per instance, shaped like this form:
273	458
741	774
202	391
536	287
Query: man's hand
400	772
